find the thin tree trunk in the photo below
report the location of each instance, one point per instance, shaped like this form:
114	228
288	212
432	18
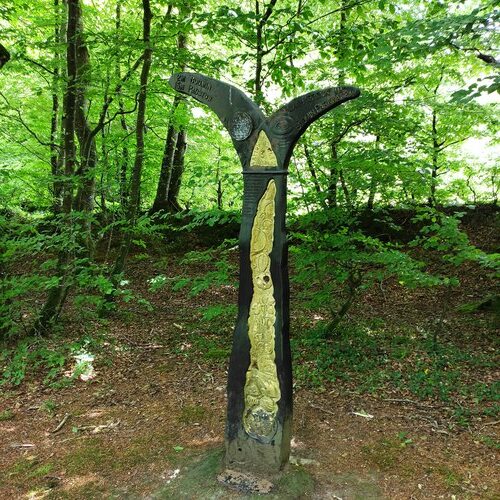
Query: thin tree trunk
436	147
84	200
312	169
373	183
161	199
56	156
259	97
435	158
124	159
345	189
341	48
172	164
220	192
135	183
341	56
334	178
259	47
353	283
177	171
372	192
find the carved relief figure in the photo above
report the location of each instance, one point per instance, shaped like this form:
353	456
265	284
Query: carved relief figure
262	391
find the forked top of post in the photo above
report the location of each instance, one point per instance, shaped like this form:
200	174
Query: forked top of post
263	144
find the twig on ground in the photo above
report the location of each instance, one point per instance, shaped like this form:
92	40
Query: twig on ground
142	345
362	414
61	423
491	423
312	405
94	429
410	401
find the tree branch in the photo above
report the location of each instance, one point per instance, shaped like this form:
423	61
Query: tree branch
102	117
40	65
487	58
347	128
4	56
453	142
288	33
25	125
268	12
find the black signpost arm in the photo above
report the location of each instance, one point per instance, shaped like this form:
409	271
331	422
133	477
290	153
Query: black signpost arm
259	416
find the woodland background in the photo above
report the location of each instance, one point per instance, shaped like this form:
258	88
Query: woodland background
120	200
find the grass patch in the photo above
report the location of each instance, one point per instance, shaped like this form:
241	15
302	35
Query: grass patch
451	478
191	414
89	457
198	479
490	442
383	454
26	469
6	415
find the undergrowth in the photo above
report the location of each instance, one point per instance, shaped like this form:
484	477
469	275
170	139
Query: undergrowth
375	359
48	358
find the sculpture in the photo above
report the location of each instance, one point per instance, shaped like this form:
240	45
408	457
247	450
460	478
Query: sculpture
258	430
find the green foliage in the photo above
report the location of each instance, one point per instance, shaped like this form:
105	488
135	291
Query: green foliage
211	218
343	259
222	275
219	311
376	360
441	232
35	355
422	67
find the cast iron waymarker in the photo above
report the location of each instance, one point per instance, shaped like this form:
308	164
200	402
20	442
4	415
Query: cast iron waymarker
259	415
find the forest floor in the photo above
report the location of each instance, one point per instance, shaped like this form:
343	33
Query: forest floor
374	417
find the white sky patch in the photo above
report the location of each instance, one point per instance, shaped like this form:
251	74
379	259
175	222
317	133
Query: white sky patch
198	112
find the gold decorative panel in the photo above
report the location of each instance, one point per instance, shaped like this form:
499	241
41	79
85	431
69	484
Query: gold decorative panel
262	390
263	155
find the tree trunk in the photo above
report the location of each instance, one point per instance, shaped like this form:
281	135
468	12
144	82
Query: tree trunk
4	56
259	97
372	192
373	183
161	199
312	169
220	192
84	200
57	294
135	182
172	163
176	172
334	178
56	156
435	157
340	54
124	159
259	47
341	49
353	284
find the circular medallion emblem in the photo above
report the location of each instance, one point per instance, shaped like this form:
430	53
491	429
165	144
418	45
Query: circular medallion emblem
282	124
241	126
